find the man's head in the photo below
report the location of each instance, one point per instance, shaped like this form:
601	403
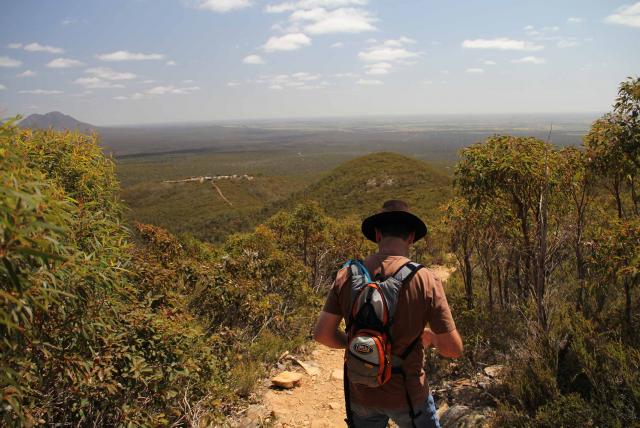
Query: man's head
394	221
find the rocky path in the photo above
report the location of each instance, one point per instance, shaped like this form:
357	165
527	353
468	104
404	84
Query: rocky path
318	400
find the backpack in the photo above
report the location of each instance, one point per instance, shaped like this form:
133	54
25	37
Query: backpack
368	359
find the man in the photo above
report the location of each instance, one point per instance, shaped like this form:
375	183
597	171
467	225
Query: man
421	302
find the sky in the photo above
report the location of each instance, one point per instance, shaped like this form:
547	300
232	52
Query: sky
112	62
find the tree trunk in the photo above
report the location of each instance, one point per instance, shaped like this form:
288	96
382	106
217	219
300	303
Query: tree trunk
627	303
490	286
616	194
499	278
468	286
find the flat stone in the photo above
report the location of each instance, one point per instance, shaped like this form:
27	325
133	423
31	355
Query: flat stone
334	405
287	379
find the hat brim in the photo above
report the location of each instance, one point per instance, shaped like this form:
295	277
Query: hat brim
369	224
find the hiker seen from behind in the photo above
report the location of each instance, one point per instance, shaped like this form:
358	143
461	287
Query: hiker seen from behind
393	309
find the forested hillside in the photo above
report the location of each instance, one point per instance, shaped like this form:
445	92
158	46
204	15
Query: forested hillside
105	323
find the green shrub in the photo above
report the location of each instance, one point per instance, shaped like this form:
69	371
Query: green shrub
86	340
567	411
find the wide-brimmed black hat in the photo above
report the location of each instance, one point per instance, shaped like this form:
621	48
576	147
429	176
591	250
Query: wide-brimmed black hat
393	212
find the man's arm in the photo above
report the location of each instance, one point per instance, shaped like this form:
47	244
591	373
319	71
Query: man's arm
447	344
327	331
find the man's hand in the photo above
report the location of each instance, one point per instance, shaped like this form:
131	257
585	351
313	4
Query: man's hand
447	344
326	331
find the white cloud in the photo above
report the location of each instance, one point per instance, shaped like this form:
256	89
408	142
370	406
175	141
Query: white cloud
312	4
369	82
530	60
305	77
41	92
64	63
14	45
129	56
222	6
96	83
399	42
488	62
337	45
343	20
575	20
378	68
501	43
188	81
148	81
170	89
233	84
134	96
27	73
109	74
253	60
171	63
567	43
386	54
626	15
299	80
340	75
37	47
159	90
6	61
288	42
474	70
2	87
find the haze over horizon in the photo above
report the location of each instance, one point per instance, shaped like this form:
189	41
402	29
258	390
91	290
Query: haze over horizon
130	62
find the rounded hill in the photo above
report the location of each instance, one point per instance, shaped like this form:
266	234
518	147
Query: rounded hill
360	186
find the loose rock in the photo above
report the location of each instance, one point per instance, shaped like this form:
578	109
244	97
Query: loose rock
337	375
287	380
494	371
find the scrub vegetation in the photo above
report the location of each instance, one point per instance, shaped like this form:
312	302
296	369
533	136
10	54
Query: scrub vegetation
110	321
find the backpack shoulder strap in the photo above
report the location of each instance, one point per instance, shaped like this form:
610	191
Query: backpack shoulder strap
391	286
406	272
359	277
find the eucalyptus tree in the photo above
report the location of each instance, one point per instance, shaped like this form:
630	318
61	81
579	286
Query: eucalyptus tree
462	221
578	184
519	174
613	147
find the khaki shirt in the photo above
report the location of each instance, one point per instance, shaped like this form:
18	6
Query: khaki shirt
422	301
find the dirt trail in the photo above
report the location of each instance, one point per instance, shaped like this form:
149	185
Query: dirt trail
319	400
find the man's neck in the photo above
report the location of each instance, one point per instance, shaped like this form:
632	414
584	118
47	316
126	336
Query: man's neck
393	247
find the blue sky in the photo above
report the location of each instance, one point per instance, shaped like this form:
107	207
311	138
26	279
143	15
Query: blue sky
152	61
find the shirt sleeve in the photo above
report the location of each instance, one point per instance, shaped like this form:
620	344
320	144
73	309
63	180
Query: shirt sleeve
332	304
440	319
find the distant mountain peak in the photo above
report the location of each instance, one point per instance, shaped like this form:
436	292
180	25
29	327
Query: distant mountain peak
56	120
